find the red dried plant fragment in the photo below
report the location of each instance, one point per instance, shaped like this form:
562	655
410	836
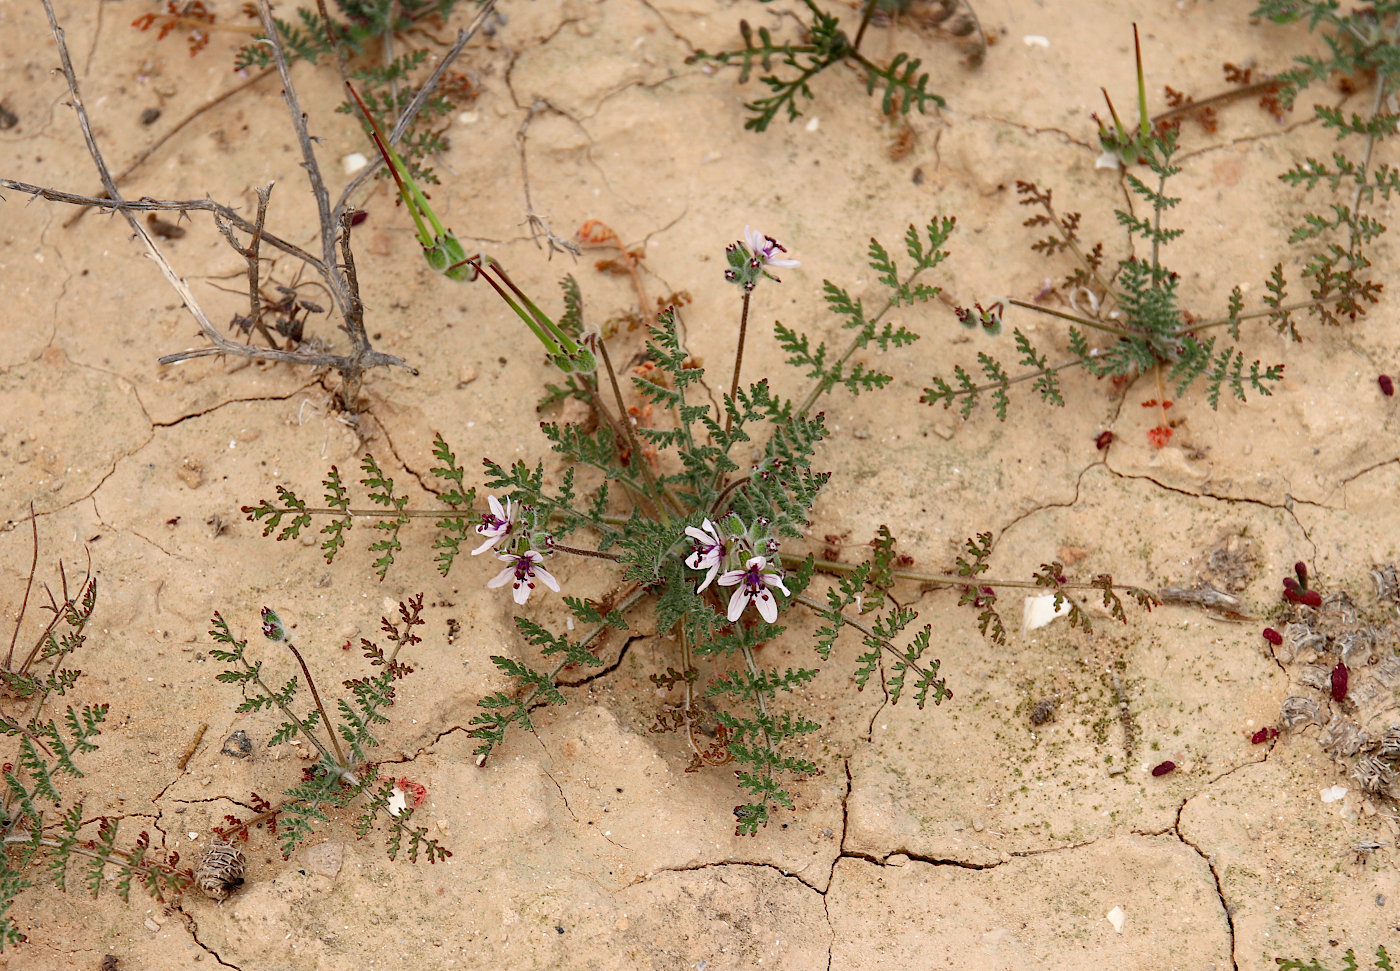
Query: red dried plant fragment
414	790
1160	770
1263	735
1159	436
1310	598
1339	682
1387	385
1273	636
1301	569
1104	440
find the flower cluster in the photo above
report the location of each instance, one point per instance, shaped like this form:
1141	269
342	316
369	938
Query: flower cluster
507	522
713	548
750	258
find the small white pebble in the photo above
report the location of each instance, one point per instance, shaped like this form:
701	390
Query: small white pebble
1035	40
1116	917
353	162
814	124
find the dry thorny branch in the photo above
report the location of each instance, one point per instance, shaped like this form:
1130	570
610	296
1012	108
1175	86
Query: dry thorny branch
335	263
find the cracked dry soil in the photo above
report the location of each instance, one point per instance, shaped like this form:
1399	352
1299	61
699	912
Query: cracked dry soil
958	837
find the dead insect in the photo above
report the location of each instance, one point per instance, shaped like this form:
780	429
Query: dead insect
220	870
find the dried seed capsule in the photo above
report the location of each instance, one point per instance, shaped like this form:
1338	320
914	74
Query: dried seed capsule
220	870
1162	769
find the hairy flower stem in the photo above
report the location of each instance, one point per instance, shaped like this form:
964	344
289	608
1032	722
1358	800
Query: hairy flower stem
1072	318
739	356
728	489
632	443
28	586
687	662
325	719
865	15
577	551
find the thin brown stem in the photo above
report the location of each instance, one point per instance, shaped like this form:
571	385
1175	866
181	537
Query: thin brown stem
325	718
1073	318
579	551
637	454
739	357
1215	99
28	586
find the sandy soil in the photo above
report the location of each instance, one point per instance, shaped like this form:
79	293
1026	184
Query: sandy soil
962	836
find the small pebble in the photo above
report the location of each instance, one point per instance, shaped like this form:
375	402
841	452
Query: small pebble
238	745
353	162
8	119
150	116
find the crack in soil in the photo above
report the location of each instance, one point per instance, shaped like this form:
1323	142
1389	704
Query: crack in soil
1225	907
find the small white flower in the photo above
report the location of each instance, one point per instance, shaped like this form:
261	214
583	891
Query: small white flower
707	552
763	247
753	586
495	524
521	574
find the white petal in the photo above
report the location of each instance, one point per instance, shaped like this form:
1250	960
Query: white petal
694	532
496	509
548	578
490	542
738	602
773	580
521	593
783	263
731	578
708	577
693	560
502	578
767	606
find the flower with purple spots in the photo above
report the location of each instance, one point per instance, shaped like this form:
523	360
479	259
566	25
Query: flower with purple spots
707	552
524	569
495	524
753	586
